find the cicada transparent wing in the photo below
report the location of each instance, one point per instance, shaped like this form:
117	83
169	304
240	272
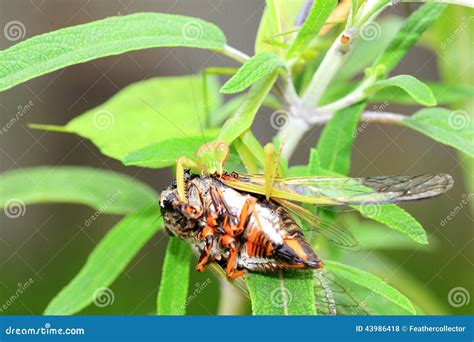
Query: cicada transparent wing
335	234
345	190
334	297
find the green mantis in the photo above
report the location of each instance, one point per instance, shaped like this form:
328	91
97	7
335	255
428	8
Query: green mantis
210	160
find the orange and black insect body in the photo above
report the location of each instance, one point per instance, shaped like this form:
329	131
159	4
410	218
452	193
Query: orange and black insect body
238	230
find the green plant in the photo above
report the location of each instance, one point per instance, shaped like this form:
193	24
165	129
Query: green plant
305	76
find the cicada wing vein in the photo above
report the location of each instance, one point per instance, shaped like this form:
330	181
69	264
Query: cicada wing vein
334	297
336	234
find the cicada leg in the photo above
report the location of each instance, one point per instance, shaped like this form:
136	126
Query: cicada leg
182	164
231	271
234	226
207	234
245	212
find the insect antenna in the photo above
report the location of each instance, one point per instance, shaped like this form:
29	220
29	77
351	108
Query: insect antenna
205	105
163	116
179	129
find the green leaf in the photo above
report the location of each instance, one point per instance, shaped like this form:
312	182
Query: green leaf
106	262
243	117
218	116
424	300
453	128
112	36
282	293
371	282
411	31
419	91
145	113
395	218
297	171
443	93
167	152
257	67
371	238
335	143
174	278
314	165
106	191
320	12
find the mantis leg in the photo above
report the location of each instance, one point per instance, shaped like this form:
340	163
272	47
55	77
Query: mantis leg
182	164
270	169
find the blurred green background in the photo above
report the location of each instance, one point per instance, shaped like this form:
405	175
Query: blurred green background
49	244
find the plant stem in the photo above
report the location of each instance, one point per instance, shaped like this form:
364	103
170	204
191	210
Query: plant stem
231	300
367	116
467	3
383	117
338	53
331	63
235	54
348	100
291	134
302	110
294	130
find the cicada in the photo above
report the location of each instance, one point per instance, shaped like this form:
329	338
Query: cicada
245	222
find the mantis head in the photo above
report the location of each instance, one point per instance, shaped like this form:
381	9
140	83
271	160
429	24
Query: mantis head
212	156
